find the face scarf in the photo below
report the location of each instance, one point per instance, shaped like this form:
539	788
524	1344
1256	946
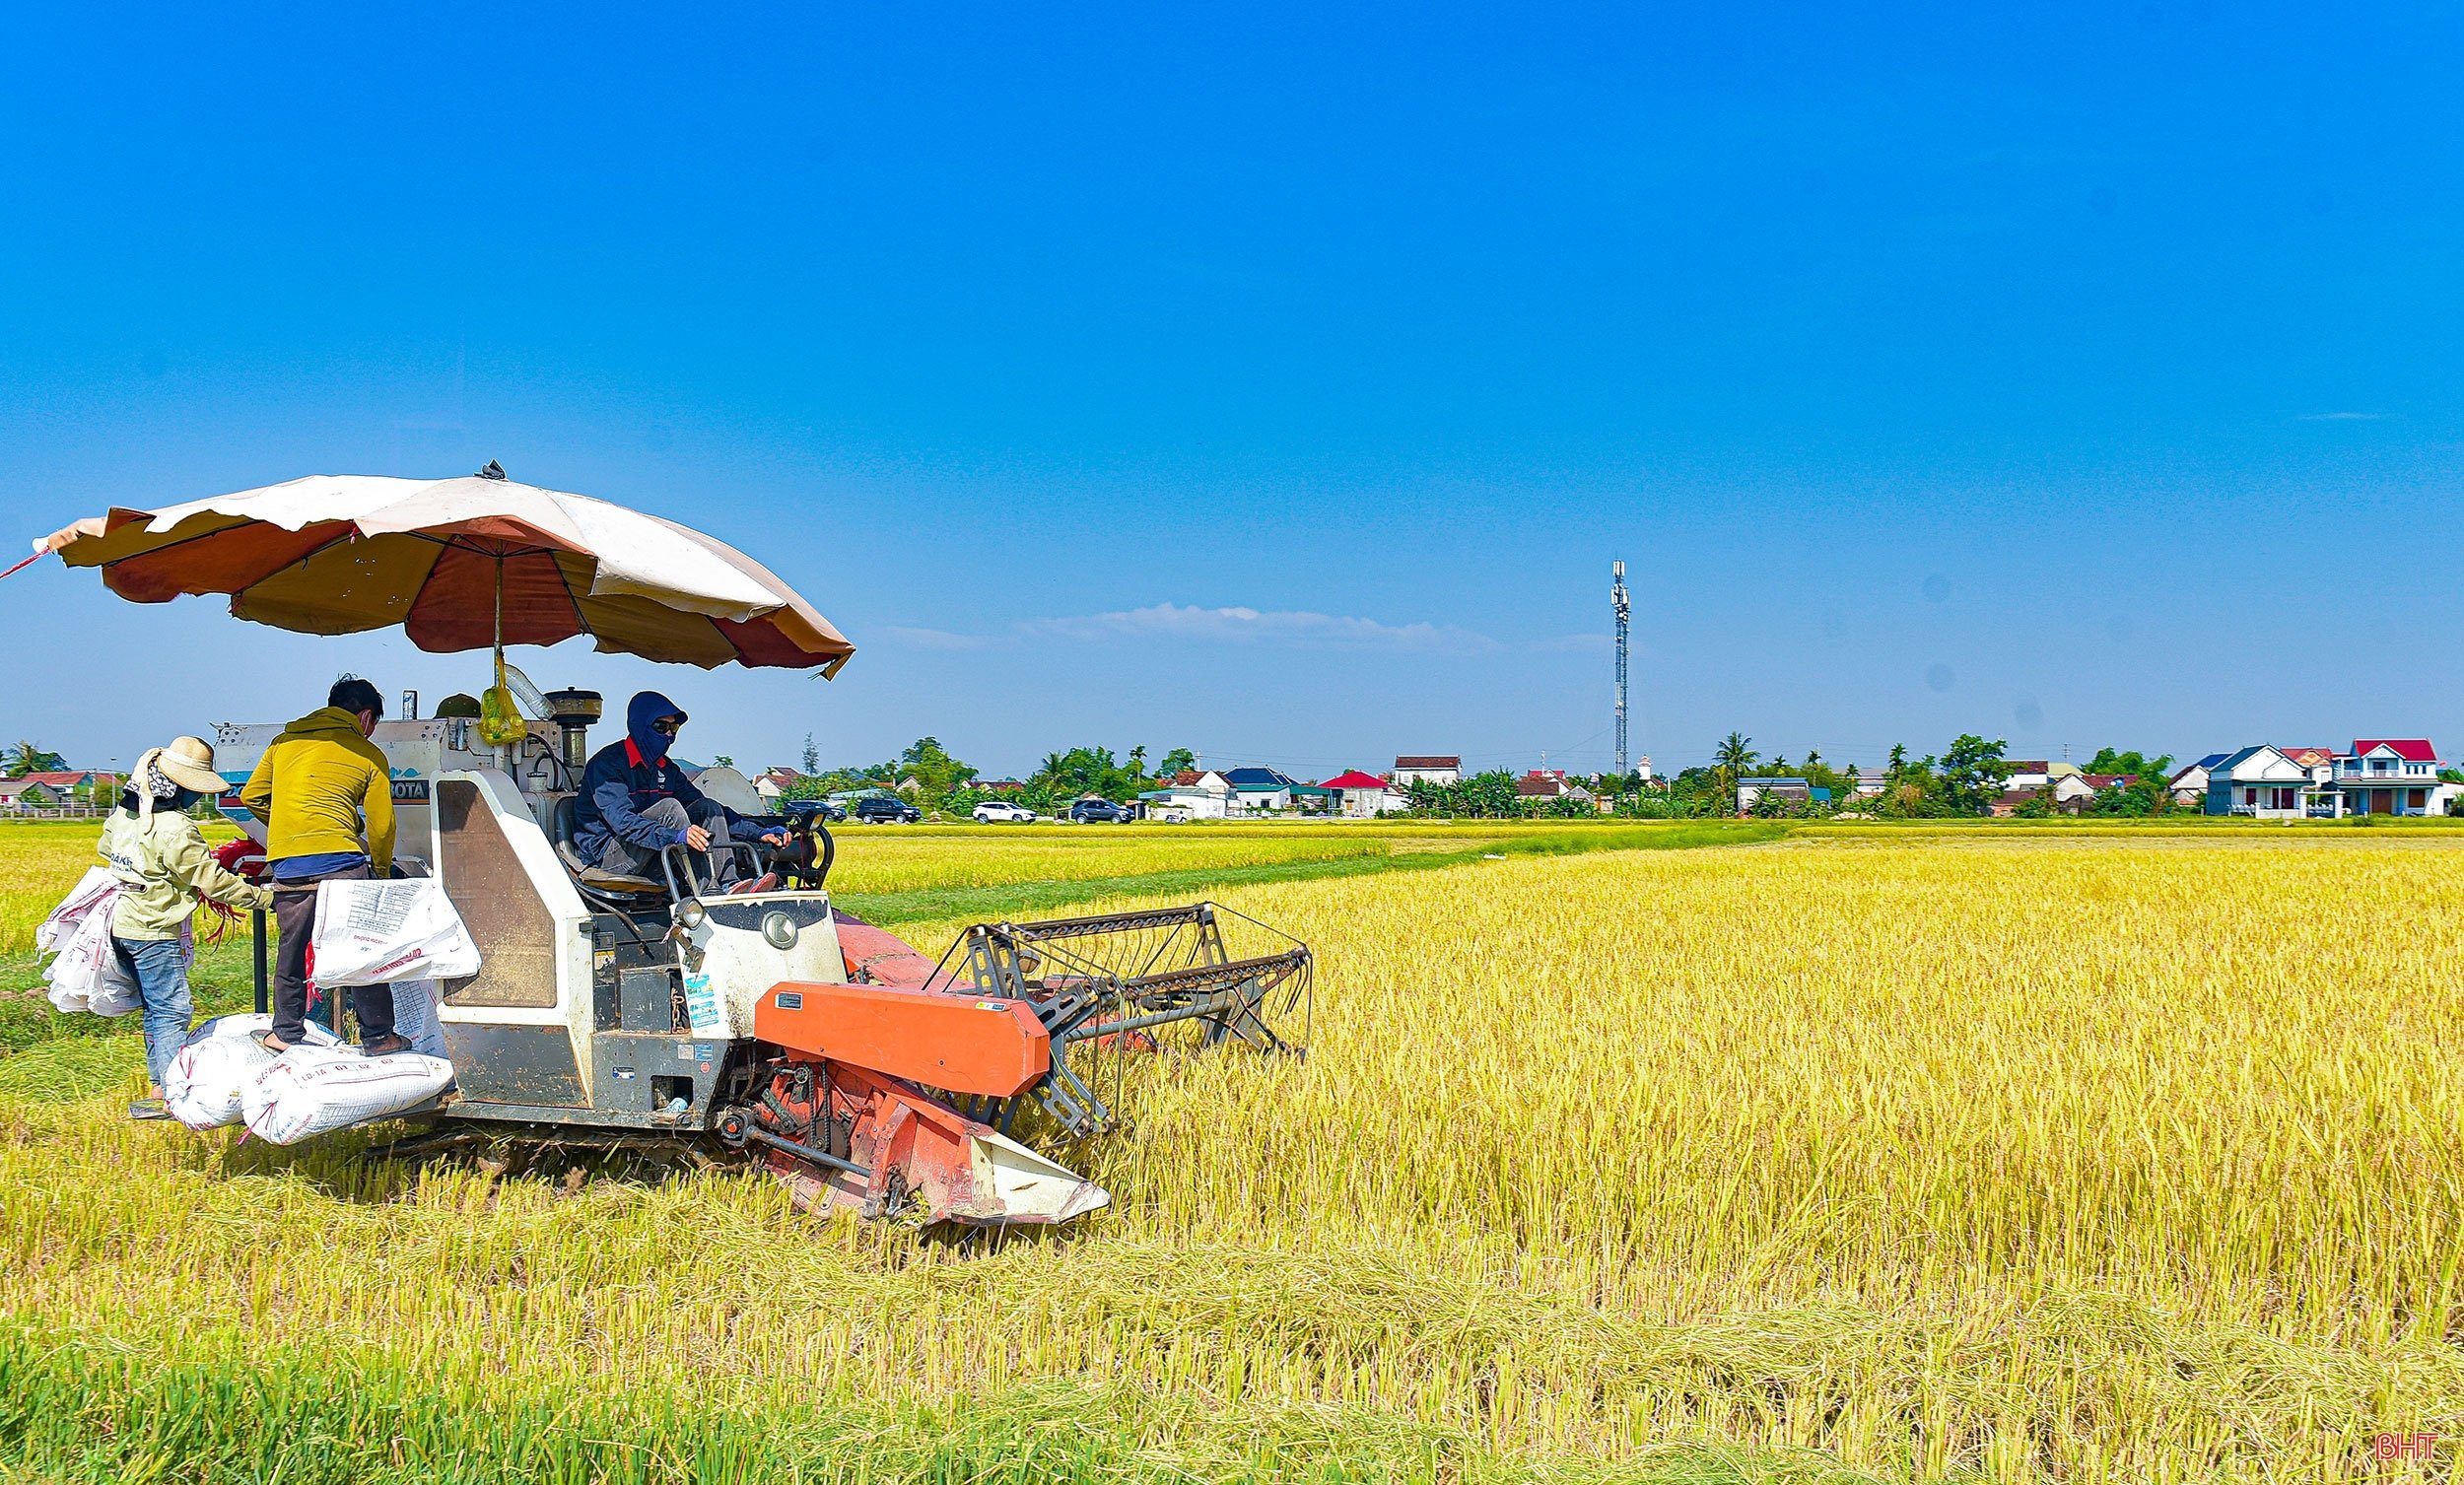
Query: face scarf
151	785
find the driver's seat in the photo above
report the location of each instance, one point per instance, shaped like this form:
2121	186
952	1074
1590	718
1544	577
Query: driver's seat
592	879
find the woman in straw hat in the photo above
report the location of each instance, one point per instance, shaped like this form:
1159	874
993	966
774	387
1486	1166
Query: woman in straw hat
160	859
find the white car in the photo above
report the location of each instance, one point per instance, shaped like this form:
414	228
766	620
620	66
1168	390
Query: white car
1002	811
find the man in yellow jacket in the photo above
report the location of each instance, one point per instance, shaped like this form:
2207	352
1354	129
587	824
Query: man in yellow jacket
312	788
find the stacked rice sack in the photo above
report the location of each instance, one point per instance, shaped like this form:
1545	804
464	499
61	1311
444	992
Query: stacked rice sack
221	1076
85	975
310	1090
217	1063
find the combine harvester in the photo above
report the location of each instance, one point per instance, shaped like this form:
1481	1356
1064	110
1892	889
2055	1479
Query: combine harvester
630	1013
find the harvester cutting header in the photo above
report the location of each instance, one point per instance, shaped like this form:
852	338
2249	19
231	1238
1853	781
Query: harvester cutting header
621	1007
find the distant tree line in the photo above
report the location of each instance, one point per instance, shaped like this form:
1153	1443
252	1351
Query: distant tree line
1965	778
928	775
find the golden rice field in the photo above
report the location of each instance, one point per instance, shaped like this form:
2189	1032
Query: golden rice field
44	858
1982	1156
905	858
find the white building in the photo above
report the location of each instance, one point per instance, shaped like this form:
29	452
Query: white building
2190	784
1427	769
2261	782
1359	795
1260	792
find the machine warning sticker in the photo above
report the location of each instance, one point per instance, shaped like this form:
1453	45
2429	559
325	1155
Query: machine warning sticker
701	1004
687	1051
992	1005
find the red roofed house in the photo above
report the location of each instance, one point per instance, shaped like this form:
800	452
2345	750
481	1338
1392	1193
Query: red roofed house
2391	775
66	784
55	788
1363	795
1541	783
21	794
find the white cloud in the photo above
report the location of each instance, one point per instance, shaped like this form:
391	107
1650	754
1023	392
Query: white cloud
1174	621
942	639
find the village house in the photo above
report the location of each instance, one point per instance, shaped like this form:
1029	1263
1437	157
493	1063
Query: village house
1795	790
2026	775
1427	769
1541	783
2388	776
1260	792
2261	783
18	795
1192	793
2189	786
1359	797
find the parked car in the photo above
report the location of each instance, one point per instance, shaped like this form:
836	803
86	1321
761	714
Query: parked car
1097	812
881	809
1002	811
797	809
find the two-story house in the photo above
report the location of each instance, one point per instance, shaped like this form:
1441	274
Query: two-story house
2390	776
1427	768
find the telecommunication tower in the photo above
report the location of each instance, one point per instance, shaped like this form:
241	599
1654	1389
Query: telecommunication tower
1617	600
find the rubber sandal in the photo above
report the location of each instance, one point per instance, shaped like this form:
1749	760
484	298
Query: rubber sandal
271	1043
384	1046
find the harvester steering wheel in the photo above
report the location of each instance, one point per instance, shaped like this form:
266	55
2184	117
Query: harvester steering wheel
804	861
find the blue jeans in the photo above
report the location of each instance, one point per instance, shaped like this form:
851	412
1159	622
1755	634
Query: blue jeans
162	977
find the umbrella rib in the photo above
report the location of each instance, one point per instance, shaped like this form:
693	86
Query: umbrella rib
241	525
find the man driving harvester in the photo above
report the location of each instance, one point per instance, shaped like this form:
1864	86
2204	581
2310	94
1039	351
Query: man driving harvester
635	802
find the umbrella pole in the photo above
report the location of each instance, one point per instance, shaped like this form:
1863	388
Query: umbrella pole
503	751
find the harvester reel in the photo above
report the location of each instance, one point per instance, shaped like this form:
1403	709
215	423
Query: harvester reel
1107	985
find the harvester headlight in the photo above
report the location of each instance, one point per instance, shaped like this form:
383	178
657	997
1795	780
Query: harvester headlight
689	912
779	930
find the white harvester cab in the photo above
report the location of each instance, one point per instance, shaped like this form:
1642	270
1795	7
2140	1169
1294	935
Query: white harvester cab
599	1000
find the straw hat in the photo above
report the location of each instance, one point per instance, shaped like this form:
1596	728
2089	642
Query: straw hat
187	762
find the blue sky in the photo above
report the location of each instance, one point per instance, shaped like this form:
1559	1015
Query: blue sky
1281	383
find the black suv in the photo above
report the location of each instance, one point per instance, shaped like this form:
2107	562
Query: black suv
881	809
1097	812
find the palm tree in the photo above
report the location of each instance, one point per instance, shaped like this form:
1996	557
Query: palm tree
30	758
1734	759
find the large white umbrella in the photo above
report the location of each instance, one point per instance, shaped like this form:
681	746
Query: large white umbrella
460	563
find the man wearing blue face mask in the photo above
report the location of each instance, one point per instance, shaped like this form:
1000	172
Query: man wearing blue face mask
636	802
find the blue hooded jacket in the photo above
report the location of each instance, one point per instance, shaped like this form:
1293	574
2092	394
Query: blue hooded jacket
624	778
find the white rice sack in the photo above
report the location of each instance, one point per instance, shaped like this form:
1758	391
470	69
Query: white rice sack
97	889
214	1068
415	1015
114	988
311	1091
82	953
385	932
